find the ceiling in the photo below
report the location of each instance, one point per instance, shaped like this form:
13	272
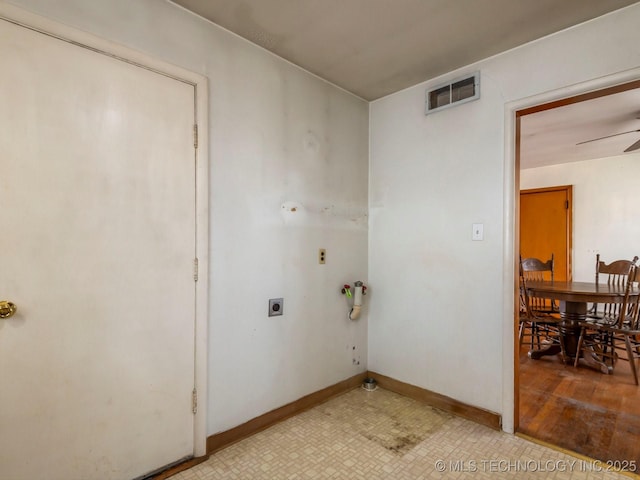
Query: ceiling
373	48
552	136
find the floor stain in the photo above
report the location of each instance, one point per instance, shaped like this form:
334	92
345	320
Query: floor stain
393	422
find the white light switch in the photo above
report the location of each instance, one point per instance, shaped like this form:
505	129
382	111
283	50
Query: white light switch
478	231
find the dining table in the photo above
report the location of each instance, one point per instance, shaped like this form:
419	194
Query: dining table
574	299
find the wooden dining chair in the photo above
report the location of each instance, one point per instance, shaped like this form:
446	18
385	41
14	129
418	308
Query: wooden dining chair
615	331
535	270
615	273
538	327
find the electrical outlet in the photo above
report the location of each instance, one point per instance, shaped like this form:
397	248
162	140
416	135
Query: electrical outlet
276	307
322	256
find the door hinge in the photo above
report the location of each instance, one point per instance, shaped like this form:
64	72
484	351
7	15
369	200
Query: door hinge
195	135
194	401
195	269
566	204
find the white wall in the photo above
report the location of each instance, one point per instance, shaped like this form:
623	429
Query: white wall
441	317
606	195
279	138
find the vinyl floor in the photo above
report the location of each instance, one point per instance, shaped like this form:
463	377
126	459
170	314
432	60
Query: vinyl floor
368	435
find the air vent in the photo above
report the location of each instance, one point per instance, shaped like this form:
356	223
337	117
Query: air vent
459	91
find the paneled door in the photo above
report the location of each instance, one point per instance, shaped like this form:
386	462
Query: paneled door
97	182
545	227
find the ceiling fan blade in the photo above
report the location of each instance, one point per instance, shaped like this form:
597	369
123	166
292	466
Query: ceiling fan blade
608	136
633	147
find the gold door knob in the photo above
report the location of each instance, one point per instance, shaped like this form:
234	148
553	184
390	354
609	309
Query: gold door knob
7	309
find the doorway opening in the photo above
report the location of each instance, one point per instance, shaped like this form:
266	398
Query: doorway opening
579	409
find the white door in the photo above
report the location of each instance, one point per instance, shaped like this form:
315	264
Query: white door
97	235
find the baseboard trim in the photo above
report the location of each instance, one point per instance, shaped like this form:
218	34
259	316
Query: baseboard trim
224	439
476	414
180	467
221	440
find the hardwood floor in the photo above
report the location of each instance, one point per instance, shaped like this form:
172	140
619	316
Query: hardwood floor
581	409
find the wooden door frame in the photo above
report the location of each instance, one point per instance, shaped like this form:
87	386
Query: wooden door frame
514	111
568	189
101	46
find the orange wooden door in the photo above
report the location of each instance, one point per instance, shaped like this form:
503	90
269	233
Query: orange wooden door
545	227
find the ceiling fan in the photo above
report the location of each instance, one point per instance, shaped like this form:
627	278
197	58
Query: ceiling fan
635	146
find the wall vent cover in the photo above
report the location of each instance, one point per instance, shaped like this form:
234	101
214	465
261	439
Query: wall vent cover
456	92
